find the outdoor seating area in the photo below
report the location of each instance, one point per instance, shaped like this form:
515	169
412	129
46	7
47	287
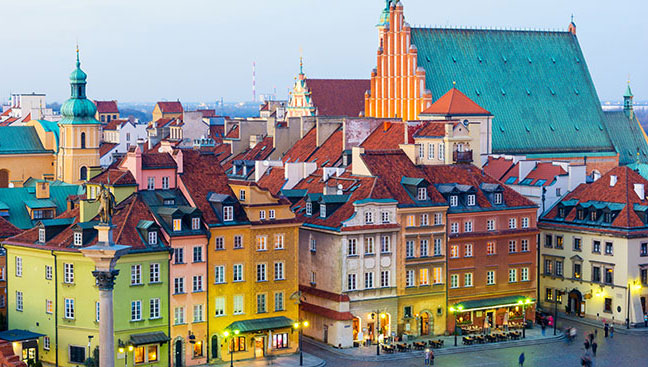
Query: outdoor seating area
491	338
417	345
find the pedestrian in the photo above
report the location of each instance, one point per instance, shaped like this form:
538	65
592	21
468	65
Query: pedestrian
595	333
427	357
611	331
521	359
431	358
607	330
594	347
591	337
587	344
543	327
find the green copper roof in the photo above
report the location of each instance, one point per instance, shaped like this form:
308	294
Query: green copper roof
17	199
20	140
628	92
535	83
267	323
627	137
78	110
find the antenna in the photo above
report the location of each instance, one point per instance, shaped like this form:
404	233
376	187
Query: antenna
254	81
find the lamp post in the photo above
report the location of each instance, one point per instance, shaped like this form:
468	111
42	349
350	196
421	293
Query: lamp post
226	334
523	303
456	310
124	349
89	344
300	325
378	316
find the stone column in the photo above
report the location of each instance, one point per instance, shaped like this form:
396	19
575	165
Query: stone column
106	283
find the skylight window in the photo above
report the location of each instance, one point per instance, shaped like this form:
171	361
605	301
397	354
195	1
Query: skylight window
511	180
526	181
540	182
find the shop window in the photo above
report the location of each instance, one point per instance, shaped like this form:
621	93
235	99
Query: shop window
198	349
608	305
77	354
280	341
237	344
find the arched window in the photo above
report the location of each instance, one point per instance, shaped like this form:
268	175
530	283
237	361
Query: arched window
80	92
83	143
84	174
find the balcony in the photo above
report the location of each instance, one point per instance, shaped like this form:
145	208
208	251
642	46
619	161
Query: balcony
462	157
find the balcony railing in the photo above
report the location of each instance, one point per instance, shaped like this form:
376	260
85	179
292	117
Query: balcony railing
462	157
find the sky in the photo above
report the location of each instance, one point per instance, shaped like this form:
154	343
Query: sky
202	50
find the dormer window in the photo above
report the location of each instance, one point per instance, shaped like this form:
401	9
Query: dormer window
228	213
309	208
454	200
422	194
78	239
152	238
41	235
369	219
242	195
323	210
385	217
168	202
471	200
177	225
580	214
195	224
561	212
497	198
607	217
593	216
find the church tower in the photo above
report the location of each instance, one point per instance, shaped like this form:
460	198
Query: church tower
627	102
300	102
79	132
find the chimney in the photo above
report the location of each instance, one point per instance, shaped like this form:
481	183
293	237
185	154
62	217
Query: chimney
179	160
42	190
639	189
613	180
386	125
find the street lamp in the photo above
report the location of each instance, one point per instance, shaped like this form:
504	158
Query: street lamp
125	348
524	303
226	334
382	316
456	310
89	344
300	325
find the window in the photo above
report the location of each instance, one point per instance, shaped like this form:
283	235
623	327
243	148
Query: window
644	276
430	151
497	198
411	221
559	242
593	215
197	254
608	305
490	225
279	271
49	306
78	239
468	250
237	273
154	308
261	303
512	275
524	246
312	278
607	217
136	274
351	282
438	275
421	149
154	273
41	234
643	249
454	227
238	305
409	249
441	152
423	248
424	277
272	214
438	219
609	276
454	251
437	246
384	278
490	248
352	246
549	294
18	266
150	183
425	220
77	354
48	272
178	255
69	307
525	222
385	245
313	245
468	280
165	182
262	214
409	278
46	343
279	301
385	217
548	240
228	213
280	341
195	223
608	248
471	200
152	238
512	246
219	243
468	226
238	241
596	274
261	243
512	223
577	244
237	344
559	268
309	208
178	286
136	311
524	274
279	241
179	315
580	214
369	219
561	212
68	277
197	282
577	270
198	314
19	301
369	280
454	281
596	247
421	194
261	275
490	277
454	200
242	195
219	306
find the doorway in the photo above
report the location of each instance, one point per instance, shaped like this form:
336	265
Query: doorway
214	348
425	323
491	318
259	347
356	328
4	178
574	302
178	353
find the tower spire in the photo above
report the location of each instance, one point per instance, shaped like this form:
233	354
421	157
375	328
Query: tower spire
627	101
78	64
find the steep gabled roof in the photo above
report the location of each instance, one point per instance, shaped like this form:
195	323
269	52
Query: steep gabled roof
303	148
388	135
338	97
114	177
628	137
170	107
158	161
330	151
7	229
497	167
20	140
455	103
107	106
273	179
106	148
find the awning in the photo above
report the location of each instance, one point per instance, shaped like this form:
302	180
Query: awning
267	323
482	304
17	335
156	337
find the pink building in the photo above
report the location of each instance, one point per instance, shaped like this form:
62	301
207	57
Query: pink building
152	171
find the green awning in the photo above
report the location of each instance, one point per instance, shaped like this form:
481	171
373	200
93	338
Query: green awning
40	204
156	337
267	323
480	304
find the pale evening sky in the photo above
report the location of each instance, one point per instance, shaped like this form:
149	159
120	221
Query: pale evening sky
201	50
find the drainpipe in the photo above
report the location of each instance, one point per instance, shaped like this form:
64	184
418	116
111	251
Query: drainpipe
56	333
170	347
447	263
207	336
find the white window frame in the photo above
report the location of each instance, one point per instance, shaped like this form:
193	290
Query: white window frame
68	273
68	308
136	274
219	274
454	281
228	213
136	311
271	214
78	239
154	308
421	194
471	200
237	273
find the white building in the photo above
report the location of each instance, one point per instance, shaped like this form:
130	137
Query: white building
118	137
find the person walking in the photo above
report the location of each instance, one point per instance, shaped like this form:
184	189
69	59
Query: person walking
607	330
431	357
587	344
427	357
594	347
543	326
521	359
611	331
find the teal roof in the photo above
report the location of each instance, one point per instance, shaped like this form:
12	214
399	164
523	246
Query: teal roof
17	198
40	203
20	140
411	181
78	110
628	92
627	137
268	323
535	83
51	126
640	168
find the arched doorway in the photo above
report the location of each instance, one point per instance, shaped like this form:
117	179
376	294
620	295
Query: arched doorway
574	302
384	328
426	325
4	178
356	328
178	353
214	346
83	174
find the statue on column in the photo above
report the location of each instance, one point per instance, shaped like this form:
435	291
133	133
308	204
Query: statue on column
106	204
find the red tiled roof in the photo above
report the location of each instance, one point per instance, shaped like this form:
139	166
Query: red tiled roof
338	97
7	229
207	113
114	124
6	113
324	294
106	148
234	133
543	171
107	106
455	103
498	167
27	118
171	107
217	132
261	150
158	160
273	179
222	151
388	135
431	128
330	151
114	177
303	148
9	121
326	312
160	123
